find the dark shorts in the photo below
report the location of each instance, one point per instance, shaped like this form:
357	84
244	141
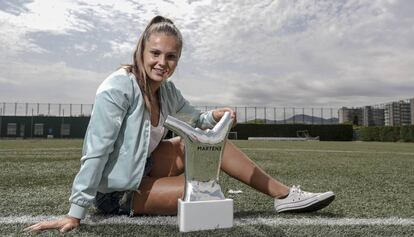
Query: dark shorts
119	203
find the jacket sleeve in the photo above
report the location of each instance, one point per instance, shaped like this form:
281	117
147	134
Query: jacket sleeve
192	115
111	104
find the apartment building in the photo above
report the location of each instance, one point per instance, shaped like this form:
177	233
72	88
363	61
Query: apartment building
350	115
398	113
373	116
412	110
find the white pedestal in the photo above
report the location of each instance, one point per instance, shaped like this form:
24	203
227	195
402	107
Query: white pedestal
205	215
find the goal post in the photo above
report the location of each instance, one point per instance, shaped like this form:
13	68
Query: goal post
232	136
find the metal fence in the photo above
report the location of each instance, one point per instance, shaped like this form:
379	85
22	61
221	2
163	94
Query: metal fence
45	109
245	114
282	115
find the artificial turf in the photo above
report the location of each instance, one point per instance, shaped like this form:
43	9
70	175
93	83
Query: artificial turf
371	180
253	230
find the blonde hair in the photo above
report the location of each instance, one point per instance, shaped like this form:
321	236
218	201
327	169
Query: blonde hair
158	24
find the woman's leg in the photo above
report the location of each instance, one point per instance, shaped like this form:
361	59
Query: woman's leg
159	192
236	164
158	196
168	158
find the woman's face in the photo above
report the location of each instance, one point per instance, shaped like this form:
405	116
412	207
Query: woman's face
161	54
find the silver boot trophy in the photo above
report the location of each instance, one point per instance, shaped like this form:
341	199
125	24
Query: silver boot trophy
203	206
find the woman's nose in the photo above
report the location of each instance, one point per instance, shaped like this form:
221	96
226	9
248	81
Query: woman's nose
162	60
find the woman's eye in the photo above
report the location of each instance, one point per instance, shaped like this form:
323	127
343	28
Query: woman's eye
172	57
155	53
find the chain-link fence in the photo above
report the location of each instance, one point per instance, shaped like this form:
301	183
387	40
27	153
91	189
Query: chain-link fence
282	115
45	109
245	114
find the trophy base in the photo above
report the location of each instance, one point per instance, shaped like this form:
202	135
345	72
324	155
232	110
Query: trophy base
205	215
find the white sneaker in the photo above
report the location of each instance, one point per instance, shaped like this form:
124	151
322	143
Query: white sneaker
301	201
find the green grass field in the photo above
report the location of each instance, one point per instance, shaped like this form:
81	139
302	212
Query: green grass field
371	181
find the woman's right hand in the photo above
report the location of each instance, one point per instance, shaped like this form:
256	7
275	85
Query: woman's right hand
66	224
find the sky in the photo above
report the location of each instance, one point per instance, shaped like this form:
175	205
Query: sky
302	53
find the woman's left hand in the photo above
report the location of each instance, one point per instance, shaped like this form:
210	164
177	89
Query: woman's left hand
218	113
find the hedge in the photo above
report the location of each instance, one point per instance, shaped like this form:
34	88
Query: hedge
407	133
387	133
334	132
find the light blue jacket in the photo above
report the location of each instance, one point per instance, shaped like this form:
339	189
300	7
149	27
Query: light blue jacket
117	139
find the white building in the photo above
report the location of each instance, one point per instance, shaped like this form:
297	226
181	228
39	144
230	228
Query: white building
398	113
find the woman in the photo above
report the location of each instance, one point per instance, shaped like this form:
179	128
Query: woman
127	168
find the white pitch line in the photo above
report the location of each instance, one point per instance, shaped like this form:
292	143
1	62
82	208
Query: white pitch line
327	221
162	220
328	151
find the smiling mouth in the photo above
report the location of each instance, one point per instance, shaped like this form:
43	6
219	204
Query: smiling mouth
159	71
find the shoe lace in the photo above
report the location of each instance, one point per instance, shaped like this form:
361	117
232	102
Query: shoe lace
296	189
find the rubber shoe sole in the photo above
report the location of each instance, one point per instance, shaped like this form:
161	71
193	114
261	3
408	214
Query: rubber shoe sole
317	204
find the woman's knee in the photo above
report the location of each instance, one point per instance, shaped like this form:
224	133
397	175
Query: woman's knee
179	148
158	196
175	145
168	158
178	144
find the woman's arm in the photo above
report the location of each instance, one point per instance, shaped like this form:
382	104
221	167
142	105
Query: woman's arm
110	108
111	105
218	113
